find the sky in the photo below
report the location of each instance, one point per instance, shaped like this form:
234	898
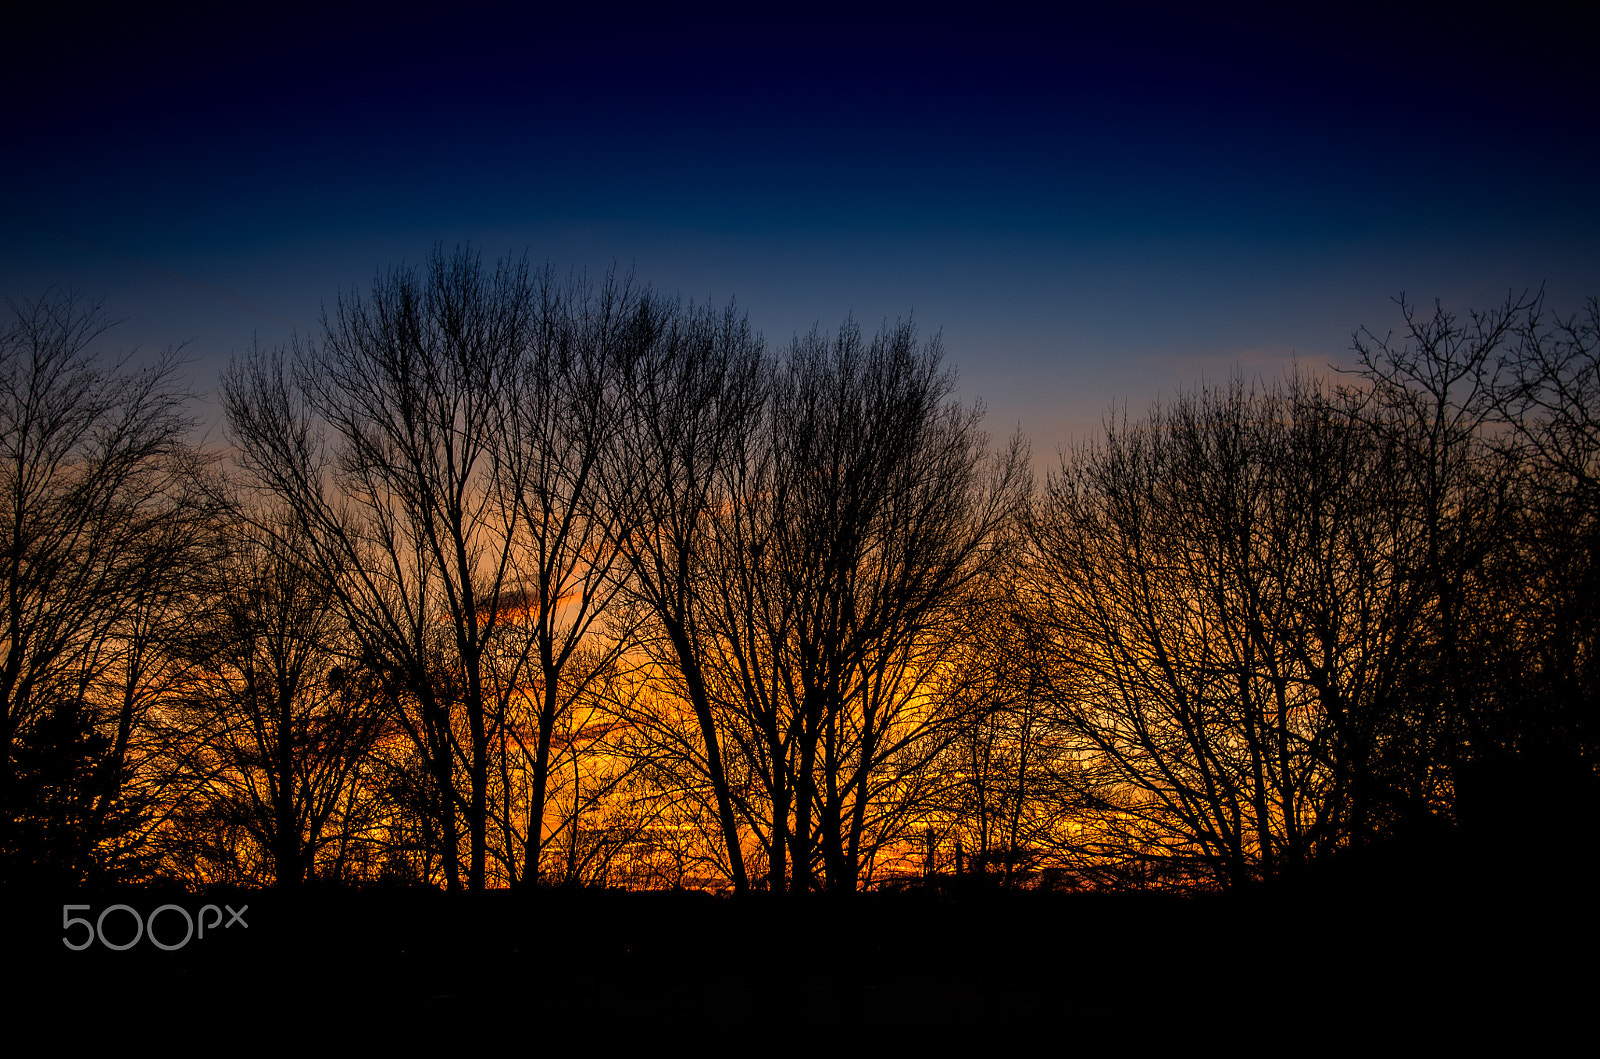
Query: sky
1092	210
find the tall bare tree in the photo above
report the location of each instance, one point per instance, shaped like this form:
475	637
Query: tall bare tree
859	514
1434	389
384	439
562	415
693	391
100	528
1538	634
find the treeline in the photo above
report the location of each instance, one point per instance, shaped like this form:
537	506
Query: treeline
506	579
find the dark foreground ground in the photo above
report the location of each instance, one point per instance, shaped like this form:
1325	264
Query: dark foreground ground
1354	963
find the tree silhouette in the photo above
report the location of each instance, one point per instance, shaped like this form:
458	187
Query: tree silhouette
692	394
857	511
383	440
562	415
1231	595
267	728
101	523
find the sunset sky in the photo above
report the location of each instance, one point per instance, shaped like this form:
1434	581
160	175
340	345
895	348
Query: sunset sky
1091	209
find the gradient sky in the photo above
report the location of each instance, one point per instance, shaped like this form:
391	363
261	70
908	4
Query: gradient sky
1090	208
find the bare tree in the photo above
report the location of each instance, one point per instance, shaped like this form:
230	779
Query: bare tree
1434	390
100	527
858	518
562	414
692	393
385	442
1230	596
266	728
1536	632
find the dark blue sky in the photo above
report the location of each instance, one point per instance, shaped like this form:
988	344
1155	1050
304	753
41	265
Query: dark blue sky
1090	207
